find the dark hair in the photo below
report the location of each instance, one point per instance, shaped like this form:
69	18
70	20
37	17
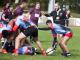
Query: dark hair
18	11
48	21
5	33
38	3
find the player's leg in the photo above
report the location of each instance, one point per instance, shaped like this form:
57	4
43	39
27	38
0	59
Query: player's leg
40	45
25	41
63	44
22	41
55	42
31	37
37	41
17	42
19	38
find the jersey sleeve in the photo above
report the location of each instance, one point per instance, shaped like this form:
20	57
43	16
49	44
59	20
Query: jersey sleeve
54	34
15	28
17	23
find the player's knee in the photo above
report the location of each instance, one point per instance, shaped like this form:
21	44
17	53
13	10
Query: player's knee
35	39
18	38
62	43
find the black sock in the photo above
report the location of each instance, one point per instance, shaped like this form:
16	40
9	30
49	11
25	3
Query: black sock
54	45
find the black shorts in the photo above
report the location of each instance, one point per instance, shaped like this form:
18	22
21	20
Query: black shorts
31	31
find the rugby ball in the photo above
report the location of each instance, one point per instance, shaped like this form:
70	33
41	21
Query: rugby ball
50	51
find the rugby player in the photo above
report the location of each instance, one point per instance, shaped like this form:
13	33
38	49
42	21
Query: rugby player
66	32
4	27
28	30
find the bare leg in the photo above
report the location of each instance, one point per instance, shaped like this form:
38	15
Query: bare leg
18	39
22	41
63	44
17	42
40	46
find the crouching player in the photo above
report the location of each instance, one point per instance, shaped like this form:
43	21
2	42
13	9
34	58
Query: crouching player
66	32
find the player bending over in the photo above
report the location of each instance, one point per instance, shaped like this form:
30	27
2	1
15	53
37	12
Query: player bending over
66	32
28	30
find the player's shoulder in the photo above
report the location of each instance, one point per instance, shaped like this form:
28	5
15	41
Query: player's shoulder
20	17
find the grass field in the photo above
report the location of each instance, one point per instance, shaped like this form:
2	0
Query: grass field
45	37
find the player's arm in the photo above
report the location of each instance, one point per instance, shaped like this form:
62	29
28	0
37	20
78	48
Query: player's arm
55	42
45	28
47	15
11	23
17	23
15	27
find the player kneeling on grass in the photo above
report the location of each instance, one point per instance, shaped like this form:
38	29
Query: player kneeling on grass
66	32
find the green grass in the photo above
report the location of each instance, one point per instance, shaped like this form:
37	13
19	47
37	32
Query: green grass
46	38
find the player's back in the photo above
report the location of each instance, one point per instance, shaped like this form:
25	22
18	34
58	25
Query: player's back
60	29
21	22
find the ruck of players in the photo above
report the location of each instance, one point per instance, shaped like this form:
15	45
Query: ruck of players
18	30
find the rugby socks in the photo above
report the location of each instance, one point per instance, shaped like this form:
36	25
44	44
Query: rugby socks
54	45
26	51
66	54
15	52
43	52
4	51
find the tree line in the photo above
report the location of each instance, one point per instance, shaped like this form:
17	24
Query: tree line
73	4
